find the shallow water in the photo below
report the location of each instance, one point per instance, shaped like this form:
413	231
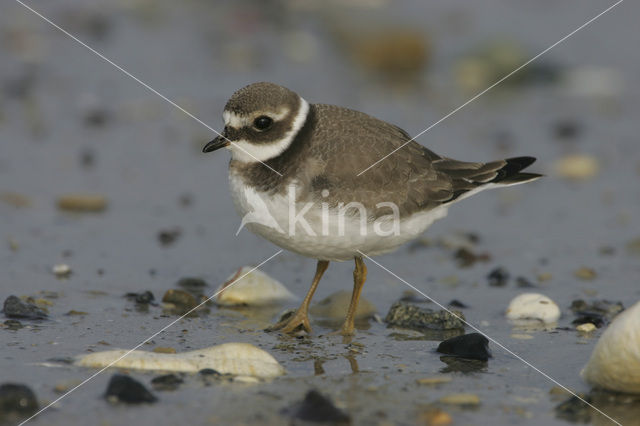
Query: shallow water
70	122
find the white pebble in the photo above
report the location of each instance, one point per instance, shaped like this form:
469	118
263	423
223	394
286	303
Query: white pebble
615	360
533	306
241	359
252	288
61	270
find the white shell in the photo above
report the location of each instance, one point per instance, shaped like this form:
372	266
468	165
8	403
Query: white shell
533	306
242	359
256	289
615	360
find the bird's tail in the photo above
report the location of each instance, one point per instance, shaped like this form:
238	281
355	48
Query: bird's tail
469	178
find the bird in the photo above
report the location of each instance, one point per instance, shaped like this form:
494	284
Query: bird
310	165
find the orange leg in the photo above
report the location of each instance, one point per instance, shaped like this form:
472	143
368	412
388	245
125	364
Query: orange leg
359	277
301	318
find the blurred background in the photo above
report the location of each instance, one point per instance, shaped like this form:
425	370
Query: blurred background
158	209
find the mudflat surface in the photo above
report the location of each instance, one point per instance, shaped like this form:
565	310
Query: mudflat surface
70	122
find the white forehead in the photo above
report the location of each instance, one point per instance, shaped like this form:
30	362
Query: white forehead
237	121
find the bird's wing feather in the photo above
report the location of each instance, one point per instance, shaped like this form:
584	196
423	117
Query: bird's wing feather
429	180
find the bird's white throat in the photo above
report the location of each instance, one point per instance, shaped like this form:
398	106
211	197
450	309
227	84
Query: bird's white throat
249	152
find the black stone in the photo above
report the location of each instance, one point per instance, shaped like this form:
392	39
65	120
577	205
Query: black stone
471	346
144	298
16	400
123	388
167	237
16	308
317	408
167	382
457	304
210	372
405	315
498	277
467	258
604	308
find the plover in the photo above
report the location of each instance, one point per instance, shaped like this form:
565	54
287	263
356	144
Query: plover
295	177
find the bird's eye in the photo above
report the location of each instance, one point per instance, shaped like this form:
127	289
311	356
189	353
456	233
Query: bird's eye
263	122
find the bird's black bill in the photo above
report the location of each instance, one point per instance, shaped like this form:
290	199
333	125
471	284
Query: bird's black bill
217	143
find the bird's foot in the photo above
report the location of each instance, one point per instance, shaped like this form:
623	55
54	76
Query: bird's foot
299	321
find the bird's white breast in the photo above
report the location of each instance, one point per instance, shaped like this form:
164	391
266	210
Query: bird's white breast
318	231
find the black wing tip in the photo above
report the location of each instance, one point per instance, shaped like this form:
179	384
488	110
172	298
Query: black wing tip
510	172
520	162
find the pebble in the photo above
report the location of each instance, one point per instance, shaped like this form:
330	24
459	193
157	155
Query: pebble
335	306
61	270
166	382
577	167
167	237
435	417
472	346
586	327
467	258
405	315
399	54
544	277
123	388
493	61
144	298
16	401
598	312
240	359
567	129
432	381
615	361
585	273
533	306
64	387
461	399
164	350
318	408
604	307
82	203
15	199
498	277
252	288
521	336
182	301
16	308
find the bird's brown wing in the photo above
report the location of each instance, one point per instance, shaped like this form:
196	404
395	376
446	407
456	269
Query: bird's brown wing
413	178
